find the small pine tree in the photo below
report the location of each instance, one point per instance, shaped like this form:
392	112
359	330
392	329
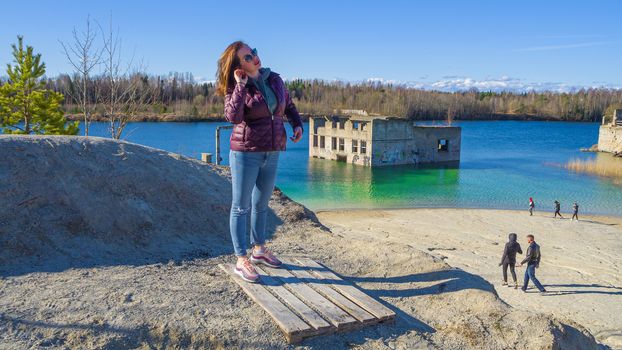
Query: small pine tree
25	101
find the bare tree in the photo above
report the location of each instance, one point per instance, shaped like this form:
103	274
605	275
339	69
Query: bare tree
135	97
83	57
125	86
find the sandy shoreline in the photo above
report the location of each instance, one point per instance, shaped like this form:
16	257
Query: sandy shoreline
613	219
581	260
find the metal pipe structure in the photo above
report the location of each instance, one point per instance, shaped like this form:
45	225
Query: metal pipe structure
218	158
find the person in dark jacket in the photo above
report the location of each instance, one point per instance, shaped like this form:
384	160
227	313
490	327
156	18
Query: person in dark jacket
575	211
508	259
557	208
532	259
257	103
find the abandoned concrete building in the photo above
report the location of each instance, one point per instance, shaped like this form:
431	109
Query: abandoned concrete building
610	134
380	141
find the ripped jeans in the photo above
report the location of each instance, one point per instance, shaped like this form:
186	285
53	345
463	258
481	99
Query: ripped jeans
253	175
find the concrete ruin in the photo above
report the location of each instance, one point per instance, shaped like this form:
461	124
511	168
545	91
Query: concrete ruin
610	134
381	141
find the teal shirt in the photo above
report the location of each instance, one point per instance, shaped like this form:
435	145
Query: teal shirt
264	87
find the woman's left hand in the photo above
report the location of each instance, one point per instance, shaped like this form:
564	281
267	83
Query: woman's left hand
297	134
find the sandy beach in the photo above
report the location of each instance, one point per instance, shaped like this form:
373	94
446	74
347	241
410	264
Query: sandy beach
581	261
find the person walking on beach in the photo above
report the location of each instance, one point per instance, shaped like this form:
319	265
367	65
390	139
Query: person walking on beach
532	205
256	102
557	208
532	258
575	211
508	259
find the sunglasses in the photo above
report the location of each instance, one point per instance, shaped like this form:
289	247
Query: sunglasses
249	57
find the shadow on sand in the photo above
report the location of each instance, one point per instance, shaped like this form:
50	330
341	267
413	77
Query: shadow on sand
380	288
84	250
578	289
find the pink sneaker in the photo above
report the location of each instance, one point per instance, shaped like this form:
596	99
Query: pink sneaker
266	258
246	271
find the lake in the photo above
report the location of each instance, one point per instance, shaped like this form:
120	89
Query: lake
503	163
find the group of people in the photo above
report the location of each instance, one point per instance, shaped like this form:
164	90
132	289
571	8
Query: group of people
575	209
532	259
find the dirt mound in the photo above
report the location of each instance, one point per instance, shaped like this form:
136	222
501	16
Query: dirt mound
77	202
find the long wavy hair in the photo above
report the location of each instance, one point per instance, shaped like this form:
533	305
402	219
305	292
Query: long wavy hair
227	64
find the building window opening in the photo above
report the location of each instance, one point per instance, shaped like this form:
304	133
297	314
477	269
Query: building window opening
363	147
355	146
342	144
334	143
443	145
355	125
314	140
363	126
322	142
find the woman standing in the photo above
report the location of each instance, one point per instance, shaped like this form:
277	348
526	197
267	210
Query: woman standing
256	101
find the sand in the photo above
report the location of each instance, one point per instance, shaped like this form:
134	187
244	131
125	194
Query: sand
111	245
581	260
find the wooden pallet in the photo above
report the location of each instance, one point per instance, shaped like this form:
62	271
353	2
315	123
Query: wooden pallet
306	299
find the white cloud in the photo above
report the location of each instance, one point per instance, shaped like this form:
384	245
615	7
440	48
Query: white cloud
375	80
561	47
503	83
573	36
201	80
381	81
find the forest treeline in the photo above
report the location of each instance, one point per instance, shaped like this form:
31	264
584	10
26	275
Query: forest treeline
179	96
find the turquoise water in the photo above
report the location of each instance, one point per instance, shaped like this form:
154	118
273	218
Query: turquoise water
502	165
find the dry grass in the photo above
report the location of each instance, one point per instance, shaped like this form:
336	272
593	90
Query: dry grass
611	168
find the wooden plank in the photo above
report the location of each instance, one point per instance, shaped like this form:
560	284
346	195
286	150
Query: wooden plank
363	300
291	325
333	314
307	314
332	295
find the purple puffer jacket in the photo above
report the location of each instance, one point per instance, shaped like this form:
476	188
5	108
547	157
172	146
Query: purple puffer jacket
256	129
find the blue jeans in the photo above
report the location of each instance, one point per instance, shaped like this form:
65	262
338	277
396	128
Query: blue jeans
252	181
530	273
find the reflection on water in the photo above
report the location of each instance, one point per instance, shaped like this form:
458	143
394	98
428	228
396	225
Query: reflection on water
342	185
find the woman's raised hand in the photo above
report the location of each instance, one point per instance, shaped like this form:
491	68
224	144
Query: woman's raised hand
297	134
240	76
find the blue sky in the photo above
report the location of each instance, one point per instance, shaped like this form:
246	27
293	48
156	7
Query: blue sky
429	44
